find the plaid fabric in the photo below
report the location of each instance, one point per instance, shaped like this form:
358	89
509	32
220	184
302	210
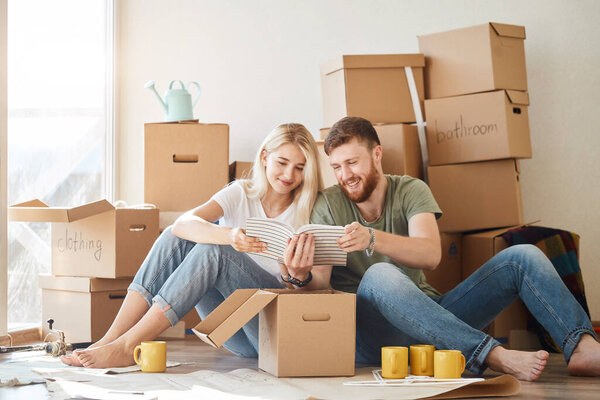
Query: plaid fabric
562	248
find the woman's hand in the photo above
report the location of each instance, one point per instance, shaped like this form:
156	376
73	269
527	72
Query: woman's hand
357	238
244	243
299	256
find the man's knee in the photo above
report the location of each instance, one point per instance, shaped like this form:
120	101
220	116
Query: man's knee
382	275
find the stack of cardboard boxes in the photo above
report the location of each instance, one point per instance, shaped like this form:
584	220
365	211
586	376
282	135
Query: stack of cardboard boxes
96	250
375	87
476	110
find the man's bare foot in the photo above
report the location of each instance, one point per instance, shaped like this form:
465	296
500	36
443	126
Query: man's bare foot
523	365
585	360
115	354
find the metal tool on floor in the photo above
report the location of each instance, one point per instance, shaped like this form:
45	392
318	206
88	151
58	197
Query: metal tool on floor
56	348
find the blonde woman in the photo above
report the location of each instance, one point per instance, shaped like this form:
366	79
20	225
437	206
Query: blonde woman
198	263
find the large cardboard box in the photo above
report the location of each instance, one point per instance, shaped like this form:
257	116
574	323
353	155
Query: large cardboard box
476	196
448	273
478	127
94	239
477	249
374	87
327	173
474	59
239	170
401	149
185	163
301	333
84	308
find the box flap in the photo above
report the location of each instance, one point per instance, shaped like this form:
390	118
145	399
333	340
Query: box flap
373	61
231	315
518	97
37	211
81	284
514	31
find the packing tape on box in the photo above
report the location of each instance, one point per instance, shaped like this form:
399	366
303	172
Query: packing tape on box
414	95
123	204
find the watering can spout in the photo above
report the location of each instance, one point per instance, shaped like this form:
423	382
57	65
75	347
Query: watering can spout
150	85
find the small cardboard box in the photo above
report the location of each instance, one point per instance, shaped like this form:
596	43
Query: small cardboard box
301	333
95	239
474	59
475	196
401	150
374	87
477	249
185	163
478	127
84	308
448	273
239	170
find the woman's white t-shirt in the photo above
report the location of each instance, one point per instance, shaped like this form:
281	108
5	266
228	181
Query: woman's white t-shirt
237	208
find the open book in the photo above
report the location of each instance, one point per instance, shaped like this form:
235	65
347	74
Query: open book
276	233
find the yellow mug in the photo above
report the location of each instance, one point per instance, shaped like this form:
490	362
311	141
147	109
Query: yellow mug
421	359
151	356
448	364
394	362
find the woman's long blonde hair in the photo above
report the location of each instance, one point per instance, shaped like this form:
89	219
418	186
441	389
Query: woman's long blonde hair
305	194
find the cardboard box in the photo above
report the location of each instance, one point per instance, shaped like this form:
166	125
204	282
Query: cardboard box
167	218
477	249
374	87
95	239
478	127
185	163
474	59
84	308
301	333
475	196
448	273
240	170
401	149
327	173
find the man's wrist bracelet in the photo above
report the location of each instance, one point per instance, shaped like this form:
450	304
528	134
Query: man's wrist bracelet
296	281
369	250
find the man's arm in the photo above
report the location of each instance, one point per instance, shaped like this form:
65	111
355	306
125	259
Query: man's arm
421	249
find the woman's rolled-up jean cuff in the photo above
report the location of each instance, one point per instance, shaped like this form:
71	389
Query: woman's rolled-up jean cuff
166	309
142	291
476	363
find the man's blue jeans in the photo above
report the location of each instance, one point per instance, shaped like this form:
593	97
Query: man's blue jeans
392	310
179	275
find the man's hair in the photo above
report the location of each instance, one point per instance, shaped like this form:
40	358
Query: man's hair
349	128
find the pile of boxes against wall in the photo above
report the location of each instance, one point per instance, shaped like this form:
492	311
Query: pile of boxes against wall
96	250
476	109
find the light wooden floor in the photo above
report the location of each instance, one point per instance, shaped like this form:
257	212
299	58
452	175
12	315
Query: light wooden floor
554	383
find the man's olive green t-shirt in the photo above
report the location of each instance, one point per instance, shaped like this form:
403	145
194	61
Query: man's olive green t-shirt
404	198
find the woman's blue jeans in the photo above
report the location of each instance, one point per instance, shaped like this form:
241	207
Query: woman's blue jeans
179	275
392	310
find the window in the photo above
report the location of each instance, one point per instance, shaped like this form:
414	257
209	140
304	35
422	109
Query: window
60	131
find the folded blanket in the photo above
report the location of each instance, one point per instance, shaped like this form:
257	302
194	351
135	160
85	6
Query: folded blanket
562	248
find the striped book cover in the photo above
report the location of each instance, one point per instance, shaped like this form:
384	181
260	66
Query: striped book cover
276	233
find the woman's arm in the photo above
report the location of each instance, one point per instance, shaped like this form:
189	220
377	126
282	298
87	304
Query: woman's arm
197	226
299	263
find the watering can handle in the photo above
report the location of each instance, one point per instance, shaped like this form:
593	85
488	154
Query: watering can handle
172	82
197	92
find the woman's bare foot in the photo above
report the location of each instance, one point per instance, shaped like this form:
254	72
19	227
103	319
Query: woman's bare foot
585	360
523	365
73	358
115	354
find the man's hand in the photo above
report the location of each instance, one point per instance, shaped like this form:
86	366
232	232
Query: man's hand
244	243
299	256
357	238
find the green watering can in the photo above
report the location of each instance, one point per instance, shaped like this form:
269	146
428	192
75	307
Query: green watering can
178	105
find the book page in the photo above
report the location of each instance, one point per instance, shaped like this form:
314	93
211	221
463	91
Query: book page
327	251
272	232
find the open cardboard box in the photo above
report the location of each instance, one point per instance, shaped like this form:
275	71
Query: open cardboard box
94	239
301	333
478	127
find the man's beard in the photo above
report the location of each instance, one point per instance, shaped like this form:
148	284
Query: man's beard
369	185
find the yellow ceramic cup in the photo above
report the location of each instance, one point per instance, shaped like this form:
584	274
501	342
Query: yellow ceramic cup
448	364
394	362
151	356
421	359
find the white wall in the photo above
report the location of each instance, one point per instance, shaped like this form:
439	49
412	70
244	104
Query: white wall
258	65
